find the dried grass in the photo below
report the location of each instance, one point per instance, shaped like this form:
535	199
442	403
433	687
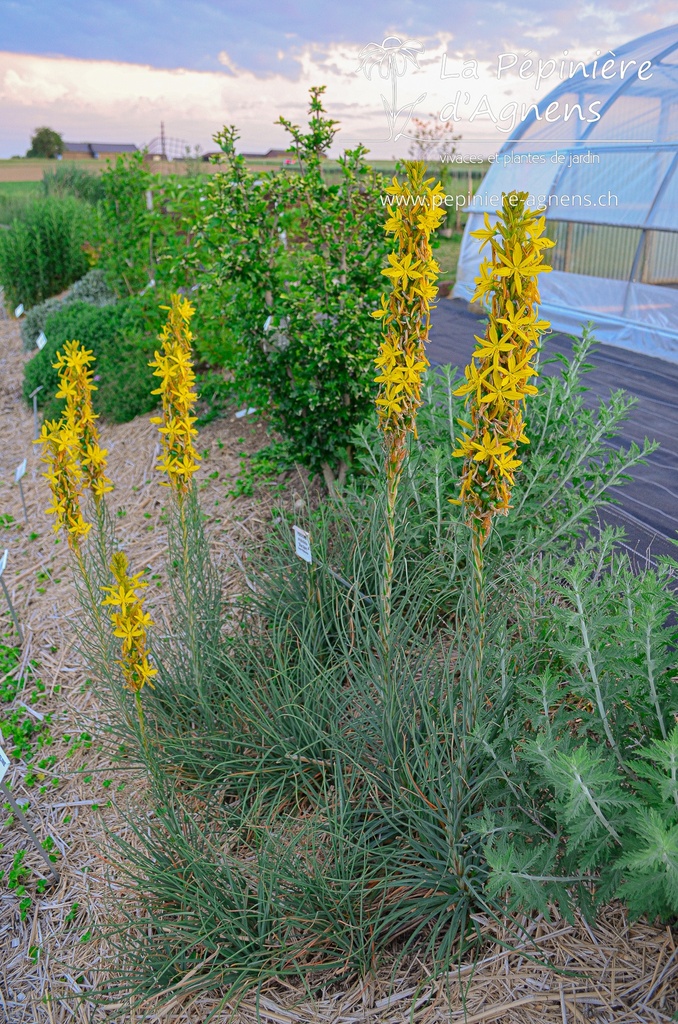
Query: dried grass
613	973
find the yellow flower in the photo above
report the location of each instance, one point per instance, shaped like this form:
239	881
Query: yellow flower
519	265
485	282
486	234
403	270
492	346
475	381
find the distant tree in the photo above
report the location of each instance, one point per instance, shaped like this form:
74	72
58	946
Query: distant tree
45	142
433	140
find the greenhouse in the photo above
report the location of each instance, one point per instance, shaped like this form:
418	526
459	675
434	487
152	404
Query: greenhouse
600	153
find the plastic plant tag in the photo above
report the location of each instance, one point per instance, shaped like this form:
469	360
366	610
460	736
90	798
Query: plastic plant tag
19	311
245	412
3	561
149	200
302	544
4	764
41	340
19	471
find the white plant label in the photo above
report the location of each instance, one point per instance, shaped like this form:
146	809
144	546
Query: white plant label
4	764
149	200
3	561
19	471
245	412
302	544
19	311
41	340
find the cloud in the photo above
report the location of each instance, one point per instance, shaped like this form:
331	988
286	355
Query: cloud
116	101
194	33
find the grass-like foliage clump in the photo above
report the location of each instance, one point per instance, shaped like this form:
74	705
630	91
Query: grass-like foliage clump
43	251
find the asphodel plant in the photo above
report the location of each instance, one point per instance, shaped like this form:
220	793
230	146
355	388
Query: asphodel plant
405	313
76	460
497	385
192	579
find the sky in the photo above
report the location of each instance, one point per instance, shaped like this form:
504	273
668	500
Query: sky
112	70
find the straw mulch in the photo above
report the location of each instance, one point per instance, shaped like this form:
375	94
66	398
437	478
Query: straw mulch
614	973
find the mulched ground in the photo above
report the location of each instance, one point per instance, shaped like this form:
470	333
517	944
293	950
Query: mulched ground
51	954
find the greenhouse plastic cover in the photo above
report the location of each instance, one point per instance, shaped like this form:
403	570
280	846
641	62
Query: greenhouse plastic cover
633	184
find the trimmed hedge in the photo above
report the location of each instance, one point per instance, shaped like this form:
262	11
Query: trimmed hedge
91	288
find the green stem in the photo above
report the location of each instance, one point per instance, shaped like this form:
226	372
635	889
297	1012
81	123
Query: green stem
140	715
392	483
473	696
602	711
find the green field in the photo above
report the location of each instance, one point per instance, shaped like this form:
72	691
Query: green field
15	189
447	255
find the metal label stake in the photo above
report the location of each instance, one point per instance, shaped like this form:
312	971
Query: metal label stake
3	563
34	396
18	473
56	877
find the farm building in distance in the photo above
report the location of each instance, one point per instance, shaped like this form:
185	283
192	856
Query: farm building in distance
95	150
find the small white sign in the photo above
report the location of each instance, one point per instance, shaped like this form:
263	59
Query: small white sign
19	311
41	340
302	544
149	200
245	412
4	764
19	471
3	561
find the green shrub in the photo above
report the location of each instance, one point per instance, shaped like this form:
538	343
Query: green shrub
91	288
15	201
296	262
116	335
68	179
43	252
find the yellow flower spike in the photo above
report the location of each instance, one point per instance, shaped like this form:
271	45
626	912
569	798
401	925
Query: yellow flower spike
405	316
497	385
130	624
65	480
173	365
76	387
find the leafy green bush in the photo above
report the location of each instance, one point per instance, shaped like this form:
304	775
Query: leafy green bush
297	263
147	232
278	261
91	288
317	805
43	252
116	335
